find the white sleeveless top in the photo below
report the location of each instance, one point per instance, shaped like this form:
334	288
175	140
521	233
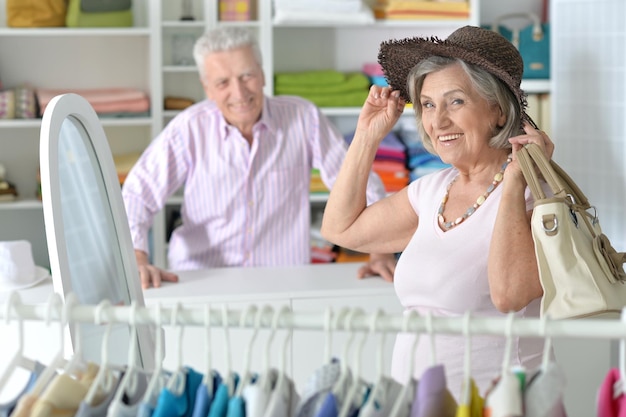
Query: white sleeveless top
446	273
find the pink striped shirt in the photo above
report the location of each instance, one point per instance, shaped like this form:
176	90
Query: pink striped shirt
243	205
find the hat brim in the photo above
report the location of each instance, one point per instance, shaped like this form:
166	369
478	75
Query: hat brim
41	274
398	57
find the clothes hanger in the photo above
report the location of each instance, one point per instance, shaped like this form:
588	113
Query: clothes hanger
284	314
231	379
129	384
547	344
378	394
506	396
619	388
405	398
466	386
431	334
177	381
207	379
328	336
342	385
58	361
246	376
18	360
104	378
76	362
159	376
355	386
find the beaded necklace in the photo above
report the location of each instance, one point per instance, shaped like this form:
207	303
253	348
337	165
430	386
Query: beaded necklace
497	179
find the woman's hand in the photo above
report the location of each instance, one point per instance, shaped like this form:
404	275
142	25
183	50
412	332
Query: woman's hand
533	135
381	110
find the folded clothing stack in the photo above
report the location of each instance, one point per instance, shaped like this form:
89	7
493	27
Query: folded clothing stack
107	102
325	88
375	73
18	103
322	11
421	9
390	162
419	161
317	185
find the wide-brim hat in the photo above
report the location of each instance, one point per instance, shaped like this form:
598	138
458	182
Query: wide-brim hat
477	46
17	267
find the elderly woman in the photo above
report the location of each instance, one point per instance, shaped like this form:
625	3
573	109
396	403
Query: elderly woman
464	232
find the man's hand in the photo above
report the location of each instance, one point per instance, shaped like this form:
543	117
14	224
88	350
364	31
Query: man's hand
383	264
149	274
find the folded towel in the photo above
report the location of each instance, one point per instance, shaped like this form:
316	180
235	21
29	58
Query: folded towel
364	16
355	81
411	9
105	100
308	78
328	6
349	99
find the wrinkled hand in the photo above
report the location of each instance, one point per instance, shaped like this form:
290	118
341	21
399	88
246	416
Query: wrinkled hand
381	264
533	135
149	274
381	110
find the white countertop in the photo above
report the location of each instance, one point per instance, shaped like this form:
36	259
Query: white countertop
246	284
249	284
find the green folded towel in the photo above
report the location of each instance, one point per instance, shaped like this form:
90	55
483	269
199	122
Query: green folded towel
350	99
309	77
354	81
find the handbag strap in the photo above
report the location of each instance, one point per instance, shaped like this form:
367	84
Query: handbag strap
558	180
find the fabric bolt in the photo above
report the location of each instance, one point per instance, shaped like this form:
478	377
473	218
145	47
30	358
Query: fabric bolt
426	287
204	398
7	408
313	394
432	396
262	188
382	398
608	405
475	405
543	395
173	404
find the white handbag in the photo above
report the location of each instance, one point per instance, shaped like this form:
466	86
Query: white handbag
582	275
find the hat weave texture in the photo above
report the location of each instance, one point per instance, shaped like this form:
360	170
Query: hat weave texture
477	46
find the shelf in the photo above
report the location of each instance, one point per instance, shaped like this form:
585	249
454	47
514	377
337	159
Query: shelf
378	24
64	31
19	204
180	68
106	122
536	86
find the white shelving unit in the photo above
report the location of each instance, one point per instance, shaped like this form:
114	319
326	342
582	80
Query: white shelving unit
143	57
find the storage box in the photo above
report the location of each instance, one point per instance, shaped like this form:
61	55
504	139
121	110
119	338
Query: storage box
237	10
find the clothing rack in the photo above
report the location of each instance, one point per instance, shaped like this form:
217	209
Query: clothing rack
342	319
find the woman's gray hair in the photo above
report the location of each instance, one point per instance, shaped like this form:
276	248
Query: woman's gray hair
224	39
488	86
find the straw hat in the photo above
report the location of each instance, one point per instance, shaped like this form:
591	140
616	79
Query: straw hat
17	267
477	46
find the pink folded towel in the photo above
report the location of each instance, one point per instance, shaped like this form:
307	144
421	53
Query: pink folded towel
102	100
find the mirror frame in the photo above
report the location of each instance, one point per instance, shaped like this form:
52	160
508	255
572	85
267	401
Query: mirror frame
57	111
